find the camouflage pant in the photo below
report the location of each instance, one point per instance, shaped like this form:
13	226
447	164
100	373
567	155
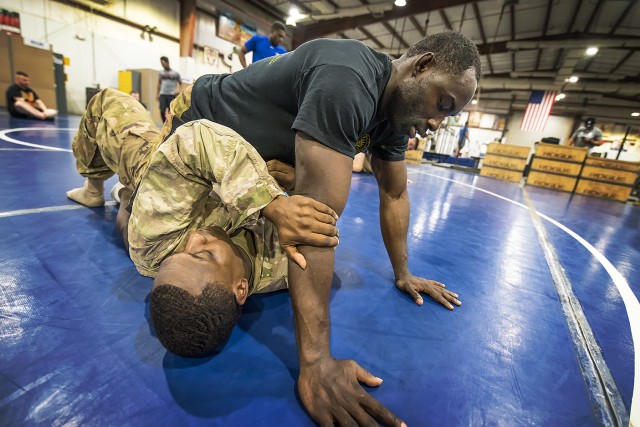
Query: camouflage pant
116	136
178	107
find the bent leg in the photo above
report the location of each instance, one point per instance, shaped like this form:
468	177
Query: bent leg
26	109
116	135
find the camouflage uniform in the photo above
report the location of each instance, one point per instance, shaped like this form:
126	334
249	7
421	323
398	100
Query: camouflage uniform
178	107
116	136
204	175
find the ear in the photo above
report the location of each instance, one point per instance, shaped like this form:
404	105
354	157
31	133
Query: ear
194	240
241	291
422	62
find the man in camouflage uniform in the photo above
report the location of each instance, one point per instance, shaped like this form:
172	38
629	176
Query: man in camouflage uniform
203	192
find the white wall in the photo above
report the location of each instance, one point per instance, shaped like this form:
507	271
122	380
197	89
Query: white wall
98	47
557	126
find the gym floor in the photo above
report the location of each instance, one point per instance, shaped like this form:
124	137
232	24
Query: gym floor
548	283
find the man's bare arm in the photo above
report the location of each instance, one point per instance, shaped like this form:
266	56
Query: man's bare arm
394	211
241	56
394	224
329	388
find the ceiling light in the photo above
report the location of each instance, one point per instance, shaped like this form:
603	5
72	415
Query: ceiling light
635	114
401	3
573	79
560	96
294	11
474	102
591	51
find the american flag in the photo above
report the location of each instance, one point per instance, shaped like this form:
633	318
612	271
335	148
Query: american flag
538	110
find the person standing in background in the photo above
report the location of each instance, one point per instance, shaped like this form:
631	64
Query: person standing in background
263	46
463	137
587	136
169	86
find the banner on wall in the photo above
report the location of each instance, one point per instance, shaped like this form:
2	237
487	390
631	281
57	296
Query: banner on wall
234	31
9	22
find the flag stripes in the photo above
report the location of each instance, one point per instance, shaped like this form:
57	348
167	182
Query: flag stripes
538	110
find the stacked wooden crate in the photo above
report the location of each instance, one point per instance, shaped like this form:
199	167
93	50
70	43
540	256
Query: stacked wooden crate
505	161
611	179
556	167
415	156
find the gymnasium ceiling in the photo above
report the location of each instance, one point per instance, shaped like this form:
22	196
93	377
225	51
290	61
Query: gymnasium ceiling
525	44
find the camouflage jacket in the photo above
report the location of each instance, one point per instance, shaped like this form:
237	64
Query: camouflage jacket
205	174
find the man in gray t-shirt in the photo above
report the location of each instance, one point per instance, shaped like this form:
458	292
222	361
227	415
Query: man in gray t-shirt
587	135
168	86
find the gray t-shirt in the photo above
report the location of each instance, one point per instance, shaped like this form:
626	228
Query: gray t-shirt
168	82
584	137
329	89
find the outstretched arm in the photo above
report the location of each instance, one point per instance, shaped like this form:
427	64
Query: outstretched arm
394	223
329	388
241	56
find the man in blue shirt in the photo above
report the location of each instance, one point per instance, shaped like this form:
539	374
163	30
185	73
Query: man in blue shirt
263	46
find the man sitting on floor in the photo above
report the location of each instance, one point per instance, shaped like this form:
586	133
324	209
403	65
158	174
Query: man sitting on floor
208	221
23	102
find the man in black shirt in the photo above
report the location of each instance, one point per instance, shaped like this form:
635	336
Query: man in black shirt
315	108
23	102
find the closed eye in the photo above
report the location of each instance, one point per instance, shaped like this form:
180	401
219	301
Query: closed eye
208	255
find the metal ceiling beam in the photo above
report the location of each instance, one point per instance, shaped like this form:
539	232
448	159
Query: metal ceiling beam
622	16
370	37
476	12
593	15
301	6
479	21
512	13
445	20
622	61
544	31
416	24
501	47
331	26
270	10
574	16
344	36
395	34
333	4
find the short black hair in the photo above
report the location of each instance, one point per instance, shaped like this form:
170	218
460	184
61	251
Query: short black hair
193	326
22	73
278	25
454	52
590	120
164	58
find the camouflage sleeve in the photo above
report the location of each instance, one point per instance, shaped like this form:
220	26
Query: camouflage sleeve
204	174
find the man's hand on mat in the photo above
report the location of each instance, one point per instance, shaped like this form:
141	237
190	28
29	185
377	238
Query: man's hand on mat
284	174
331	392
302	221
414	285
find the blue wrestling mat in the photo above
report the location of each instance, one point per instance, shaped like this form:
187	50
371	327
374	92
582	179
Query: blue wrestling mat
77	347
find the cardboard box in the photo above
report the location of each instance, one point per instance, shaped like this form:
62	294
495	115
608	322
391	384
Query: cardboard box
504	162
613	164
551	181
508	150
561	152
504	174
555	166
600	189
